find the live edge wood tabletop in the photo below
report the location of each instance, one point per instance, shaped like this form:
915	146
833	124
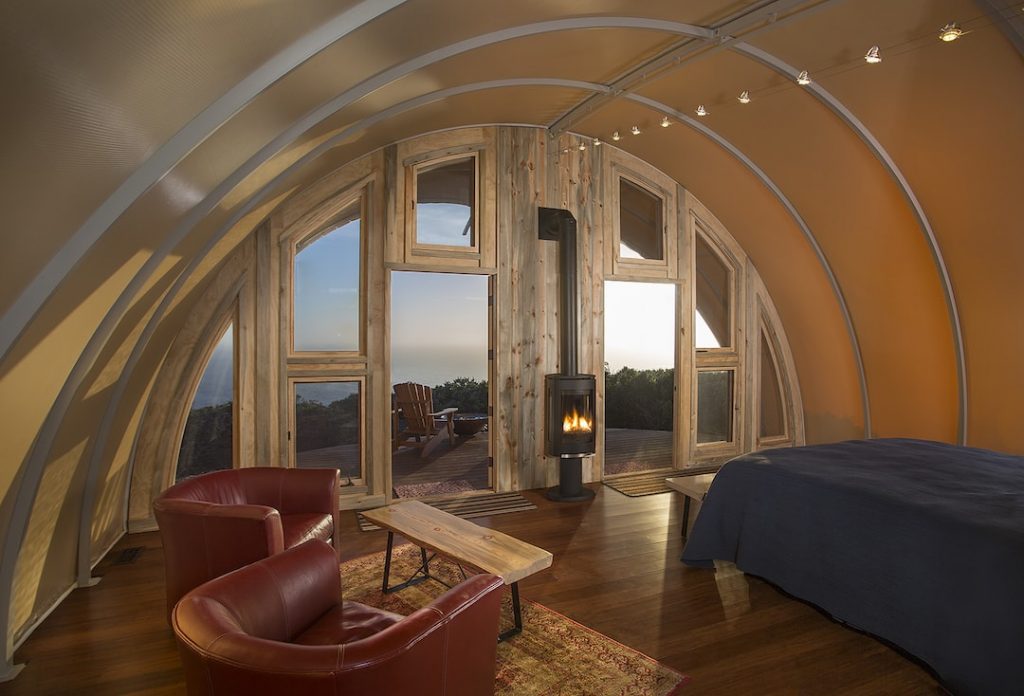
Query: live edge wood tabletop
461	540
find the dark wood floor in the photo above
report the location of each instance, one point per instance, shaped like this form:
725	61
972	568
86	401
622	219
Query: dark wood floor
616	569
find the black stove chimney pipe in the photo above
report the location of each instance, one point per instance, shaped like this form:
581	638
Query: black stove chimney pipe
559	225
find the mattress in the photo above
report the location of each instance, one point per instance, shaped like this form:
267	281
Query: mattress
919	543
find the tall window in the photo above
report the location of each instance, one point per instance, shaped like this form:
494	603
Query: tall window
207	442
639	378
717	358
324	404
446	203
327	282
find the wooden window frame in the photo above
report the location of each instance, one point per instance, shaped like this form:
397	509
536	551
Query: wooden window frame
663	188
413	166
317	223
711	232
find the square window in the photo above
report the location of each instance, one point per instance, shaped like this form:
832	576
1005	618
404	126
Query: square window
640	223
446	203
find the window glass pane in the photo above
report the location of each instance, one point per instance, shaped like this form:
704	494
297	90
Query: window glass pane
640	227
713	298
446	202
772	421
207	442
327	283
327	427
639	378
714	406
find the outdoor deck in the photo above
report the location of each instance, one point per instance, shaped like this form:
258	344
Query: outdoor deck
456	468
630	451
462	466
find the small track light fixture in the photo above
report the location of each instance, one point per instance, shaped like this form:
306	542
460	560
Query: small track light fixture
583	146
803	78
873	56
951	32
616	137
635	130
597	141
665	123
701	111
744	97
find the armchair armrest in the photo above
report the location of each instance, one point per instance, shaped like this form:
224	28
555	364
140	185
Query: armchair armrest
202	540
453	640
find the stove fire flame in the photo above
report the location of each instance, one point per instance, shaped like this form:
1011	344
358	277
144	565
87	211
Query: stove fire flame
576	423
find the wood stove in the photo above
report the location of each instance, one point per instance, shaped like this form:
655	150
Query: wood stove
570	398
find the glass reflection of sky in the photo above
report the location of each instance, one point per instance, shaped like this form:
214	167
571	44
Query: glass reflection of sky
326	305
443	223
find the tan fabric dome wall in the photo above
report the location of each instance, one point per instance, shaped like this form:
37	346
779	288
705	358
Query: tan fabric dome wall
144	141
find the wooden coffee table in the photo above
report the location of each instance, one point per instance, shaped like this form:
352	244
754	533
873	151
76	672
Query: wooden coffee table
463	542
695	487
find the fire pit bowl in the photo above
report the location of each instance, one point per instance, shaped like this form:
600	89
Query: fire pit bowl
468	426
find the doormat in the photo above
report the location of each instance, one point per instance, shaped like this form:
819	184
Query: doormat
636	485
653	482
470	506
553	654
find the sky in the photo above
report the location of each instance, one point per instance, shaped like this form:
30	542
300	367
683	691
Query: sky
438	327
327	291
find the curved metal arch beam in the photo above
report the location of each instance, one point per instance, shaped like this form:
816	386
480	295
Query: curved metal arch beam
198	129
214	116
855	124
801	223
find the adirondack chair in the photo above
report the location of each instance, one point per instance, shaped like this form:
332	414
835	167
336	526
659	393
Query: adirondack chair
423	425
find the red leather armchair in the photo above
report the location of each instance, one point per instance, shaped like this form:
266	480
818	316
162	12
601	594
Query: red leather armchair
279	626
217	522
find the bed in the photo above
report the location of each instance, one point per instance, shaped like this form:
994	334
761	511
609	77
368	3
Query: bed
919	543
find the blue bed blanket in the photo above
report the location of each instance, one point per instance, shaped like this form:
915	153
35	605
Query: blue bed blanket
919	543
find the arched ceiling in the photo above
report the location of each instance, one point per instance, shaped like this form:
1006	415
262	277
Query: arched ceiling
144	139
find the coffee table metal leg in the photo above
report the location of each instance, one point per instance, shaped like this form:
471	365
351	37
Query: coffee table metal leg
517	615
686	514
387	562
422	573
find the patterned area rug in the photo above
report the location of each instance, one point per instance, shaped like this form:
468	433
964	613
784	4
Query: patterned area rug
470	506
553	654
